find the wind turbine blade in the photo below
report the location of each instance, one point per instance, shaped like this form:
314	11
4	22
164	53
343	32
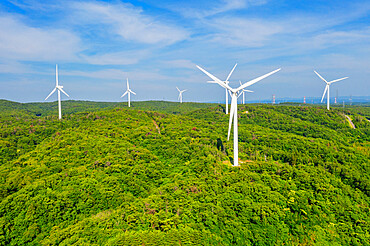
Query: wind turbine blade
63	92
50	93
333	81
248	91
321	77
217	80
178	89
228	77
257	79
240	82
231	117
326	88
212	82
131	91
128	85
183	91
124	94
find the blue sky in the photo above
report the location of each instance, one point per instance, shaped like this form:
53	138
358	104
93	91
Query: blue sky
156	44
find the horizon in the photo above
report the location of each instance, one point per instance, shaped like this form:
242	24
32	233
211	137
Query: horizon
96	48
278	100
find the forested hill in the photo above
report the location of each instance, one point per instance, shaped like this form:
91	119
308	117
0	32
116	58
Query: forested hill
71	107
109	175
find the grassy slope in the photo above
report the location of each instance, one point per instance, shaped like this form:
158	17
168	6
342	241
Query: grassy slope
111	177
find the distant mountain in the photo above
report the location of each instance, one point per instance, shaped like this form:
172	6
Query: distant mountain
317	100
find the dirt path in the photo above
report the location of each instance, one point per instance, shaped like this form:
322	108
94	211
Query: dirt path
156	126
350	121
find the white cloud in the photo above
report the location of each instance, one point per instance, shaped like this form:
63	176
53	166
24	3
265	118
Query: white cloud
117	58
36	4
208	9
244	32
129	22
180	64
117	74
225	6
311	30
19	41
340	37
346	62
106	74
291	33
14	67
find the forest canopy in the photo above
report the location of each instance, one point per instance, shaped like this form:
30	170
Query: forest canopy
160	173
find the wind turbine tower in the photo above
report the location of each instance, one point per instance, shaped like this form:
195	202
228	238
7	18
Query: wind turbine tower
273	99
327	88
128	92
235	93
304	99
60	89
180	94
244	91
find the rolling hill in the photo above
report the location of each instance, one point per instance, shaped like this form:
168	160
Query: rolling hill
160	173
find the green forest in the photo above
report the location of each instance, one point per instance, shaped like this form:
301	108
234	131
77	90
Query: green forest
160	173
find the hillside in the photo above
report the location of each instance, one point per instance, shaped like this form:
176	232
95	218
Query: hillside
71	107
160	173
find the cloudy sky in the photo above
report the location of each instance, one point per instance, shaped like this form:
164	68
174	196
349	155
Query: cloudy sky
156	44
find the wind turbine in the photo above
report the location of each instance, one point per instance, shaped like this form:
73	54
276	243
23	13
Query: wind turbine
128	92
235	93
244	91
180	95
60	89
226	82
327	87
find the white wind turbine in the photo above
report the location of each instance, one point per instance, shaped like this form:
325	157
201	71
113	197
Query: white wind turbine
180	94
243	92
226	82
128	91
235	93
60	89
327	87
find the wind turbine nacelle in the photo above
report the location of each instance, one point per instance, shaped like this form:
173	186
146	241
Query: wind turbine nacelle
60	86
